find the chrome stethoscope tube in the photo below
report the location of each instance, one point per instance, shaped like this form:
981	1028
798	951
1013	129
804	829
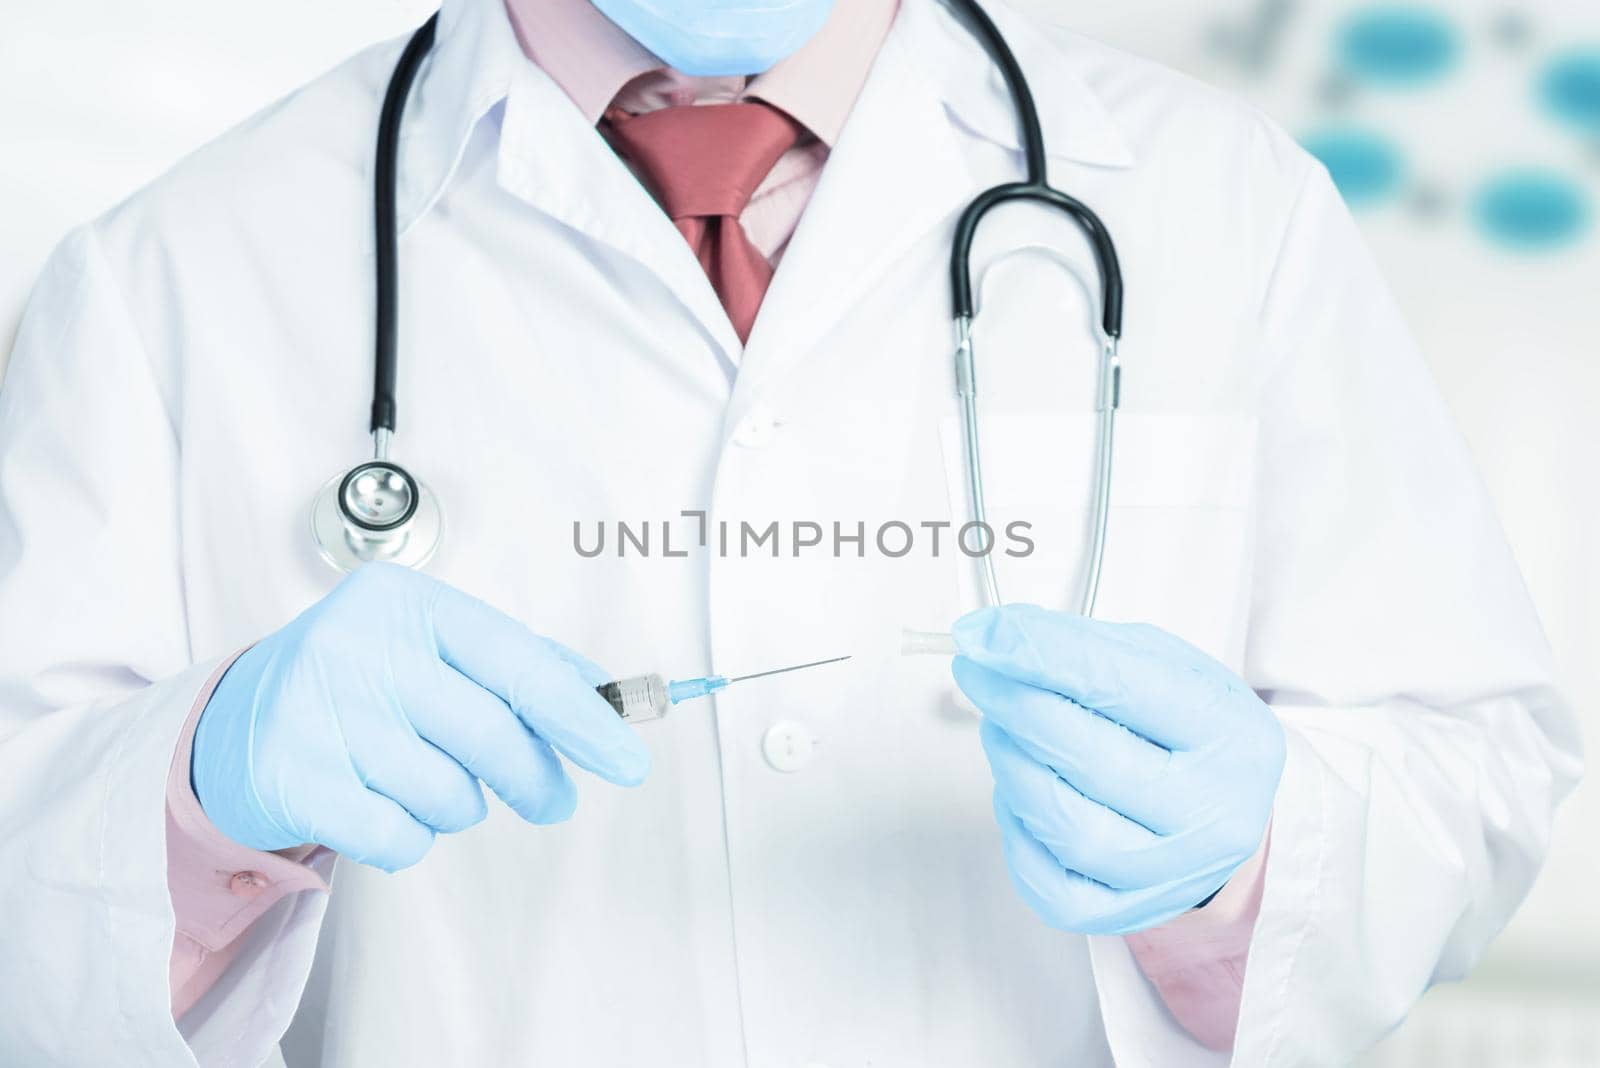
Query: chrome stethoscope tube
1109	399
967	390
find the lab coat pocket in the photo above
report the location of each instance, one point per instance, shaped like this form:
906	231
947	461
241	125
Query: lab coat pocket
1179	536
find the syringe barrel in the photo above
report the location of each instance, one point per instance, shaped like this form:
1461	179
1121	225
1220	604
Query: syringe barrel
639	699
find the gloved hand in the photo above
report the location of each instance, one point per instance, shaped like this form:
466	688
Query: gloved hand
1133	773
366	723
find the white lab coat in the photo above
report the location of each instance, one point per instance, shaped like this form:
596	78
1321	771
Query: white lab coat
1290	496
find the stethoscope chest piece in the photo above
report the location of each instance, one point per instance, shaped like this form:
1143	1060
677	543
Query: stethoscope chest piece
376	511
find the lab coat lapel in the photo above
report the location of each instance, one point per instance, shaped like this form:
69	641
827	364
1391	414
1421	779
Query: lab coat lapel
896	172
552	159
899	169
901	166
549	156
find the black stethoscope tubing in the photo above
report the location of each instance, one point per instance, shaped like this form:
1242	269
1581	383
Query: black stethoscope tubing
1036	188
385	179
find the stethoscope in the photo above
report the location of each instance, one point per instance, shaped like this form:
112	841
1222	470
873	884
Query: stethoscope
380	511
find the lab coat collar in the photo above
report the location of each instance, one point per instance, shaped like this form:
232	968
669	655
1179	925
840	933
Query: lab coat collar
898	169
1076	122
477	56
903	169
548	154
468	72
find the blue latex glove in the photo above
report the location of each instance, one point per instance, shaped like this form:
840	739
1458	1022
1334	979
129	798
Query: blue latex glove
1133	773
366	724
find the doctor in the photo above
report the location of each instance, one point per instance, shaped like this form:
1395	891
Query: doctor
1302	765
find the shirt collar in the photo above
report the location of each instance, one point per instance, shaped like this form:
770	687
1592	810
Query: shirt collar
582	51
477	56
592	59
818	85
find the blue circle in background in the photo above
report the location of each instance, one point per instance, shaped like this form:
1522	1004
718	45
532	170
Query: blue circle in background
1398	45
1570	89
1530	210
1367	167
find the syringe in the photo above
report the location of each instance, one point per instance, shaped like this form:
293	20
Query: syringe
646	697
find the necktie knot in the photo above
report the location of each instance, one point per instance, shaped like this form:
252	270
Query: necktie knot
704	160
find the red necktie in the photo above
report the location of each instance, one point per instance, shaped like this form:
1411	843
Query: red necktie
703	163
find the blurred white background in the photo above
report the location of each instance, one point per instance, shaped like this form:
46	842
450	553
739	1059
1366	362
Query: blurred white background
99	96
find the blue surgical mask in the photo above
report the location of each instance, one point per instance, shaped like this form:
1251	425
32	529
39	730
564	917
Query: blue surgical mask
715	38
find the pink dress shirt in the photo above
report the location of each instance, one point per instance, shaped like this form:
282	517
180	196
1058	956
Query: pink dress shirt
220	888
599	66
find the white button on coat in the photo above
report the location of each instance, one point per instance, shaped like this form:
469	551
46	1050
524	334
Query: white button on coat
756	430
788	746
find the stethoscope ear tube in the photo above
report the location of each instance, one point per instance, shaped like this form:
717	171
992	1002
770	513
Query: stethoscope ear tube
1109	401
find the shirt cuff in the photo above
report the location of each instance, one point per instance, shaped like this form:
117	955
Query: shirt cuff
218	887
1197	961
